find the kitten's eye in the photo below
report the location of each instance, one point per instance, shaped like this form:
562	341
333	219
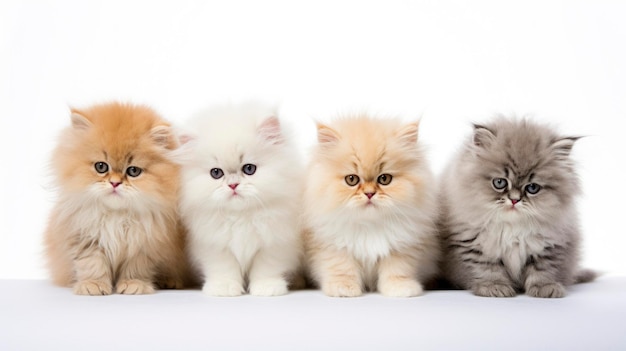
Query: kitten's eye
533	188
133	171
384	179
249	169
500	183
101	167
217	173
352	179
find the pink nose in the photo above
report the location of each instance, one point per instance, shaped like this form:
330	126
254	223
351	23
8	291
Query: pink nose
115	184
514	201
233	186
369	195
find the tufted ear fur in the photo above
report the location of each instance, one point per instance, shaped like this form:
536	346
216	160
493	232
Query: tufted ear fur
80	122
270	130
162	136
483	136
408	134
563	147
326	136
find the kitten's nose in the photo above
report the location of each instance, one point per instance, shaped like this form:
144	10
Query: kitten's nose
369	195
115	184
514	201
233	186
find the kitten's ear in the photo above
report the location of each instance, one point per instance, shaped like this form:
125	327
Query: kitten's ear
270	131
162	136
408	134
563	147
483	136
326	135
80	122
183	153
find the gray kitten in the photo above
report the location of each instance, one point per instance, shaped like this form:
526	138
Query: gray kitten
509	221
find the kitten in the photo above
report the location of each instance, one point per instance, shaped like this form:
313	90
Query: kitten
509	221
240	200
115	221
370	209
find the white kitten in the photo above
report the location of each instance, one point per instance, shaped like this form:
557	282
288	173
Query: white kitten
240	195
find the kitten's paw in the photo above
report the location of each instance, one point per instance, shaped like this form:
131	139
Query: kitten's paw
134	287
268	287
342	289
170	283
494	290
401	288
550	290
93	287
223	288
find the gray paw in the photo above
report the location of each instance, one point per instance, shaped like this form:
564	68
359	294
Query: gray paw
550	290
493	290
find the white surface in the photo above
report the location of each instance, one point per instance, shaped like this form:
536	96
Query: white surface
37	316
450	62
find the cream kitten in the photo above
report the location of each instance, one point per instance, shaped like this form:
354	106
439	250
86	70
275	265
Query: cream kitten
240	200
115	222
509	219
370	209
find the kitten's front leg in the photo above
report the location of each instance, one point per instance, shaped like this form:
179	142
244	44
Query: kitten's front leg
267	274
541	271
136	275
222	274
338	273
93	272
397	276
490	278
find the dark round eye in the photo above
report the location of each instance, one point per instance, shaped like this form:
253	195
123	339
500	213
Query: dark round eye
249	169
533	188
217	173
384	179
101	167
500	183
133	171
352	179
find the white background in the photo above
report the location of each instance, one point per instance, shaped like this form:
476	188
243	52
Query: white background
449	62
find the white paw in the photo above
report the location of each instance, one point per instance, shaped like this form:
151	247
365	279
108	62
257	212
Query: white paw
223	288
401	288
273	287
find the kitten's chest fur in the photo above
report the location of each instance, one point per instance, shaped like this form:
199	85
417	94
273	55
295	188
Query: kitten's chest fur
119	234
367	243
512	244
244	234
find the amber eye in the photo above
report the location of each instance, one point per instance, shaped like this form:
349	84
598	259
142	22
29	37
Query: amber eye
101	167
499	183
352	179
384	179
533	188
133	171
217	173
249	169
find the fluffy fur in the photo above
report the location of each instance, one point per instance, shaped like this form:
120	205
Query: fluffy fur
244	227
509	221
353	243
115	222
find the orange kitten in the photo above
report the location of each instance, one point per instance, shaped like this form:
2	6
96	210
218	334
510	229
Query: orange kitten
115	223
370	209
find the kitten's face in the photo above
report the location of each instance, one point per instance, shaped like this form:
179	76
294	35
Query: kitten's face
239	166
368	167
115	158
522	171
